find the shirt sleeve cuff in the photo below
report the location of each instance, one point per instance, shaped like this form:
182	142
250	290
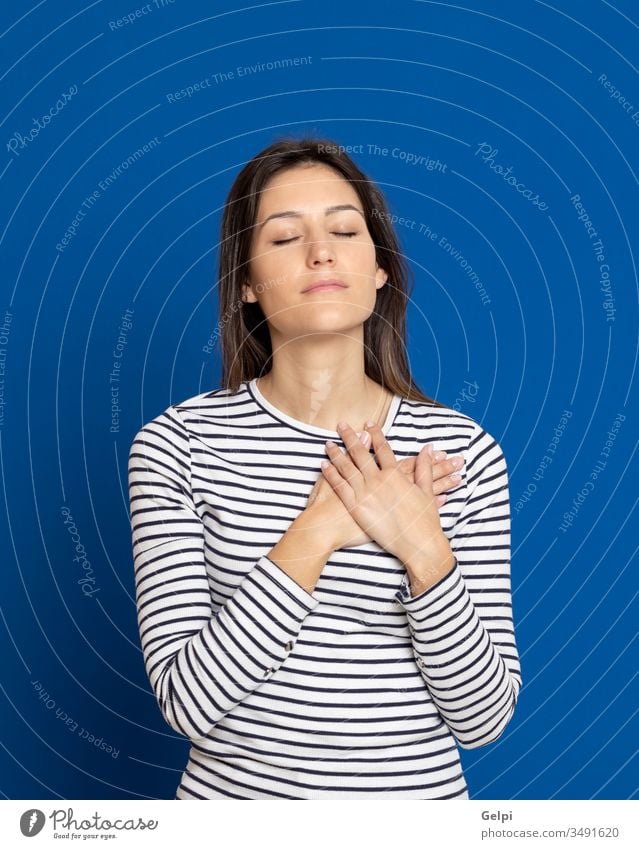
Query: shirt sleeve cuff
431	594
285	584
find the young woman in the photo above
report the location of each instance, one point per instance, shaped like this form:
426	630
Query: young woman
321	633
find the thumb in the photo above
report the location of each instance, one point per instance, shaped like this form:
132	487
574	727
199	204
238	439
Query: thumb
424	469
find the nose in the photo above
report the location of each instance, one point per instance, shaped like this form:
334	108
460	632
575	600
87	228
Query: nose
320	252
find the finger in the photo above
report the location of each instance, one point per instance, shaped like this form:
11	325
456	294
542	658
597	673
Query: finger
314	490
439	464
341	487
383	451
446	483
442	470
344	465
446	465
321	490
440	485
423	469
407	465
359	454
365	438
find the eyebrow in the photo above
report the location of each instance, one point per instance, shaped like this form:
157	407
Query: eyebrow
294	213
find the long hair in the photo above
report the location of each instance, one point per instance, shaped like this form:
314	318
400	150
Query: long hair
244	335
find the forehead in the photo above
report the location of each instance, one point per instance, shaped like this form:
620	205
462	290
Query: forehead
307	189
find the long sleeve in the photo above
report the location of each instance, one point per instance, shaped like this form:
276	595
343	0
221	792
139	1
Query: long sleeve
200	662
462	627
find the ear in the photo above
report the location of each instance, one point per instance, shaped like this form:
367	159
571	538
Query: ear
380	277
248	296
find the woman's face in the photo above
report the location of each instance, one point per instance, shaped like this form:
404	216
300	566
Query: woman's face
300	238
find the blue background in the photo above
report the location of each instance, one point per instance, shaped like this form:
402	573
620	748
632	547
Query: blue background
429	79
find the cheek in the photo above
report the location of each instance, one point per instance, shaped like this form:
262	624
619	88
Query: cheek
262	259
362	258
271	271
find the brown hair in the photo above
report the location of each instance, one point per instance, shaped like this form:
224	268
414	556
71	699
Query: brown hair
244	336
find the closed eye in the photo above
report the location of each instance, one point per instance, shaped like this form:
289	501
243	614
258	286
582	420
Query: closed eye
286	241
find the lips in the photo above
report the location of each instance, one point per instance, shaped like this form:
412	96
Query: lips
325	285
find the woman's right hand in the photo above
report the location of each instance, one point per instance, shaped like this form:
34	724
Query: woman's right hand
327	510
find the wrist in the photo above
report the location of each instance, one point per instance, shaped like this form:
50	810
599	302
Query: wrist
315	529
427	565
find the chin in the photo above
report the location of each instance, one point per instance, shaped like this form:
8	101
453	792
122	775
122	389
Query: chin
335	310
330	319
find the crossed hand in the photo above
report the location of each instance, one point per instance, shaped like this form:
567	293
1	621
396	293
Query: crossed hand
358	497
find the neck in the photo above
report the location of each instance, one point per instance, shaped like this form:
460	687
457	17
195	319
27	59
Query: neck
323	381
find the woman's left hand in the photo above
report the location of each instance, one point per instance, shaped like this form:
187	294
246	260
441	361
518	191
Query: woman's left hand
402	517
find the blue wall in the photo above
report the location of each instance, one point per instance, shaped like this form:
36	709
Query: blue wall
510	132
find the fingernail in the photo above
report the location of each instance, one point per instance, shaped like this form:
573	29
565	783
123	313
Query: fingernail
370	423
440	455
455	477
458	463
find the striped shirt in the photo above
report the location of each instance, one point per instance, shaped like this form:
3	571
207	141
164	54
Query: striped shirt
354	690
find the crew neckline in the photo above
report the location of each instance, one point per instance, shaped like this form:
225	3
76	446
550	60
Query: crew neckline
281	416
